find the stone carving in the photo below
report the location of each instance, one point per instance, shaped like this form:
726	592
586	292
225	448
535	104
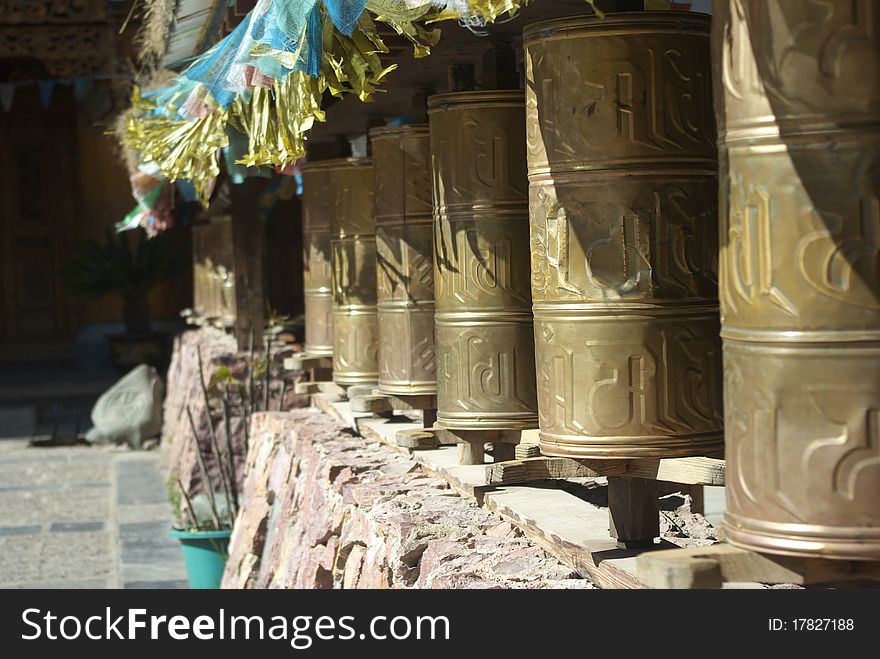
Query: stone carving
130	411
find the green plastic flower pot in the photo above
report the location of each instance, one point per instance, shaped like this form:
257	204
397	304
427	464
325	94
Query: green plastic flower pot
204	553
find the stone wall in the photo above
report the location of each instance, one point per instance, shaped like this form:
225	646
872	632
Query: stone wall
324	508
184	392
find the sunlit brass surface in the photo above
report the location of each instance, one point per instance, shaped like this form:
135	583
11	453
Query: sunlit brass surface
404	244
353	244
623	208
485	344
317	261
798	89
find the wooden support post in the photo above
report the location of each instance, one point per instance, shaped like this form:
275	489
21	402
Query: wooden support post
698	504
633	512
247	262
522	451
470	453
503	451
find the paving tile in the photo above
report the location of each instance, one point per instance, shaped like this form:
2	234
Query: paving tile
76	527
71	584
140	482
20	530
52	487
176	584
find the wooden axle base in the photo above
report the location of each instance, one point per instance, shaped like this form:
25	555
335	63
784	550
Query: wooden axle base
368	400
303	361
323	387
716	565
633	487
506	444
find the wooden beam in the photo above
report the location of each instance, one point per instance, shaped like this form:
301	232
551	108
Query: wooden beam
712	566
690	471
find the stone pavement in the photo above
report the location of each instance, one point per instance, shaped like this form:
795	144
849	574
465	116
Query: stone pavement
84	517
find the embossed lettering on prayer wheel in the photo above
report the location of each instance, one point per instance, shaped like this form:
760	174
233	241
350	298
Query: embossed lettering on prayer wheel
404	240
799	95
623	209
485	343
318	273
355	326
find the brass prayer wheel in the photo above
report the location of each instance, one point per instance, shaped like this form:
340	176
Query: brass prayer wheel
317	261
623	205
799	134
353	244
405	272
485	343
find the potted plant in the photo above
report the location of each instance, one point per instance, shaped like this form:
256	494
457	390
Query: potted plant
204	521
203	529
112	267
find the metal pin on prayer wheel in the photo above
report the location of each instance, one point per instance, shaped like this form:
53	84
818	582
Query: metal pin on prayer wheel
485	343
798	94
623	209
318	275
353	245
404	238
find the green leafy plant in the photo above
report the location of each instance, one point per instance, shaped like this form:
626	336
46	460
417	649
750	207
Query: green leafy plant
114	267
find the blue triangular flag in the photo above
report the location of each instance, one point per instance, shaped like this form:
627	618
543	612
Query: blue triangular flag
46	88
7	93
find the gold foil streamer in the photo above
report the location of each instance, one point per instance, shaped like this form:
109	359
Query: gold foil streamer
276	121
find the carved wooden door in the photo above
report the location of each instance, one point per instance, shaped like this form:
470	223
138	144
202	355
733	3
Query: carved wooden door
38	214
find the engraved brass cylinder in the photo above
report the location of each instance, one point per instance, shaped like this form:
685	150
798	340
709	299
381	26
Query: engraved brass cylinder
317	260
799	133
623	208
404	247
485	345
353	244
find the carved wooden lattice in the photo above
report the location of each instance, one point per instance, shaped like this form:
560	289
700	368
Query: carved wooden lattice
15	12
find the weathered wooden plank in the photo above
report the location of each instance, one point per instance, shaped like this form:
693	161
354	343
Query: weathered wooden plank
315	388
712	566
573	530
304	362
371	404
689	471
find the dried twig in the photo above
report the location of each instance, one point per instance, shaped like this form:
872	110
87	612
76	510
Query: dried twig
268	374
191	512
250	373
212	435
209	490
227	427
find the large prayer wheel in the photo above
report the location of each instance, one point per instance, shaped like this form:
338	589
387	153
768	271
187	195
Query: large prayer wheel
485	346
623	202
353	243
799	120
317	261
405	272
